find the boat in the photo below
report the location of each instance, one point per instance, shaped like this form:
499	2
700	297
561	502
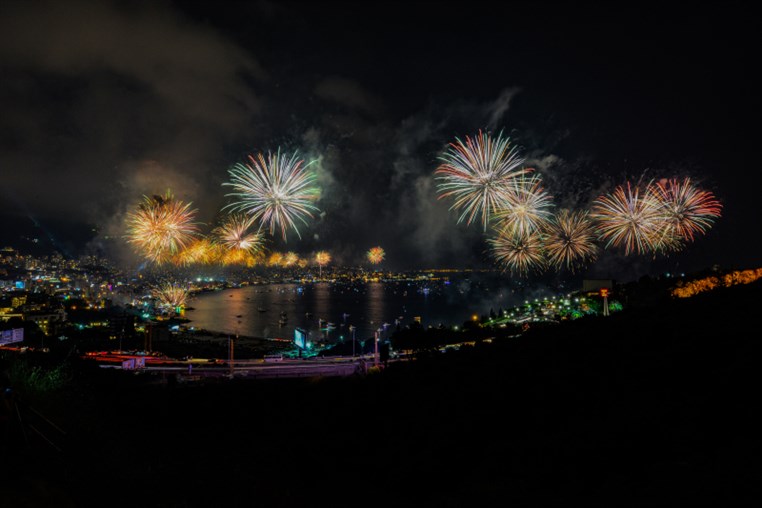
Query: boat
239	315
261	309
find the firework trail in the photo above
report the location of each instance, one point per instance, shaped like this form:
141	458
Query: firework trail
276	190
525	206
630	218
687	210
476	173
161	227
570	240
518	253
375	255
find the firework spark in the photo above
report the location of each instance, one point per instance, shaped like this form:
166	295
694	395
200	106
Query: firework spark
687	210
277	190
239	257
476	174
630	218
234	235
275	259
570	240
525	205
161	227
518	253
170	295
375	255
199	251
290	259
322	258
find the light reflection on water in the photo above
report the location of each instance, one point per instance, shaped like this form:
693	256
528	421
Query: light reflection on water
258	311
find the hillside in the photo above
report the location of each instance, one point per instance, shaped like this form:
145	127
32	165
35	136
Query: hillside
651	406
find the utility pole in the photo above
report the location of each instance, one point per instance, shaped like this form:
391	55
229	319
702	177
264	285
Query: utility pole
231	345
375	348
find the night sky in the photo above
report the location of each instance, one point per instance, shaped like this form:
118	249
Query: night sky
102	102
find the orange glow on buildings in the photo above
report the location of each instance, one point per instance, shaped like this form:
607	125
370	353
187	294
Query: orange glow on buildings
692	288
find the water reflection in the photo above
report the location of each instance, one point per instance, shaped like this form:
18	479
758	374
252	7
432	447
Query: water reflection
327	311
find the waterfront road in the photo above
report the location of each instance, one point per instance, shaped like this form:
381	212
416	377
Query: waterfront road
272	367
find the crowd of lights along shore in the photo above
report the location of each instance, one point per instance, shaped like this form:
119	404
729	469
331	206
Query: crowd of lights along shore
486	180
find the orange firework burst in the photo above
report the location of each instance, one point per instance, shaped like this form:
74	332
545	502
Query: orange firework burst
200	251
322	258
234	234
170	295
290	259
275	259
375	255
161	227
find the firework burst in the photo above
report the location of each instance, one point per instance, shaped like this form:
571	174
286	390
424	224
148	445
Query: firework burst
525	205
322	258
239	257
234	235
170	295
161	227
518	253
290	259
687	210
199	251
277	190
570	240
275	259
475	173
630	218
375	255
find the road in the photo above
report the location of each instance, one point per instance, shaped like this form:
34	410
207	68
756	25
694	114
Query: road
255	369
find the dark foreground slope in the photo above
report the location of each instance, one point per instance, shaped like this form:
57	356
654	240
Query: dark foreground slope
655	406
